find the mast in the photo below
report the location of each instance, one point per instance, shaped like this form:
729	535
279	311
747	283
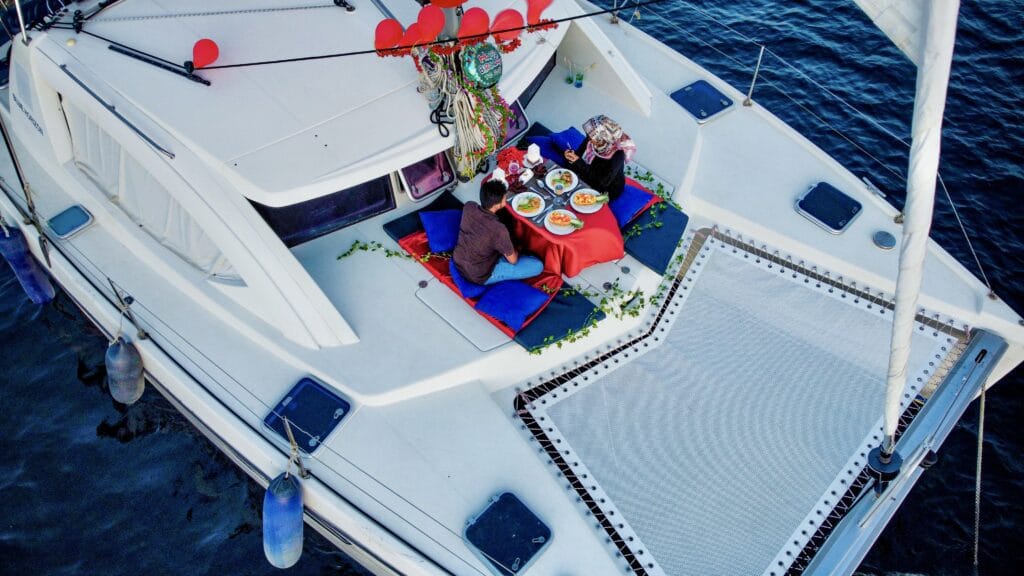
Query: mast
934	63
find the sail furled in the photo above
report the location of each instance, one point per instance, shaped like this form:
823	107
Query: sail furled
902	21
936	58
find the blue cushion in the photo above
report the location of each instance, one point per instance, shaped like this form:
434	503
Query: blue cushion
442	229
512	302
568	313
553	146
661	231
404	225
466	288
629	204
568	139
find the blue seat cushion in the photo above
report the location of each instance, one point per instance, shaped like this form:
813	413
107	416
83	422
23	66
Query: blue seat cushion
660	230
409	223
468	289
512	302
442	228
568	313
554	145
568	139
629	204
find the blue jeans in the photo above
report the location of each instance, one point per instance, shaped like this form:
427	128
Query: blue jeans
525	267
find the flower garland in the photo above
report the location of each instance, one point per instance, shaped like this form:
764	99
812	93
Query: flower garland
485	128
509	155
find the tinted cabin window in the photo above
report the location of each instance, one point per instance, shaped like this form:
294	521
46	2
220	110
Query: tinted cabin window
517	124
428	176
311	219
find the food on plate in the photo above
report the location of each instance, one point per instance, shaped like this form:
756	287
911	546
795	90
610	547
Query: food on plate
564	219
564	177
528	205
588	199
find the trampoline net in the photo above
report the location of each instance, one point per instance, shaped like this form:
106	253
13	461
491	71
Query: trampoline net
715	449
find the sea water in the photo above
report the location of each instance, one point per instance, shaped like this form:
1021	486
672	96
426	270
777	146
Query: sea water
94	488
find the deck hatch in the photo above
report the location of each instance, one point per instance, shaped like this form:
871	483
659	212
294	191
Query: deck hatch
313	412
702	100
508	535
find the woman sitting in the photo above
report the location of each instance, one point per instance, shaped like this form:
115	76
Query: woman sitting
601	159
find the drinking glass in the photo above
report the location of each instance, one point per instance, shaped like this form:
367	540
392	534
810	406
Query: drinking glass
513	168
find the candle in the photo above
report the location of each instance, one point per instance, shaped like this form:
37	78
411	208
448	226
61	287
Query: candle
533	154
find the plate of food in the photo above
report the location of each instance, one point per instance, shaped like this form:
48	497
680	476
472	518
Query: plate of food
561	180
562	222
527	204
587	201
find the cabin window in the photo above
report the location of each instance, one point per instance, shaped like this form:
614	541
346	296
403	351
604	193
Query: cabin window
517	124
428	176
311	219
143	199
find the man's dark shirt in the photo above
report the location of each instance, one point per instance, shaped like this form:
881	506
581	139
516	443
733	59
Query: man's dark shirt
482	240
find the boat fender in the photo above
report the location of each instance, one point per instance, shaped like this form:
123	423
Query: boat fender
33	279
124	371
282	521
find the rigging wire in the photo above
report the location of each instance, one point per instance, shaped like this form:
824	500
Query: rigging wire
215	13
164	339
527	27
857	111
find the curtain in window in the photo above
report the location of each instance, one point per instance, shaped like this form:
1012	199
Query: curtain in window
147	202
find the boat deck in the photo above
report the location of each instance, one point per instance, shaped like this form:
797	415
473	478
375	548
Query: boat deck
739	423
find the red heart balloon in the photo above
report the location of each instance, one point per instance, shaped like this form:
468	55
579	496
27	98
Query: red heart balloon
447	3
534	8
474	23
431	21
412	36
387	35
507	20
204	53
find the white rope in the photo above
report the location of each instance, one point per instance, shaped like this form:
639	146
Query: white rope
98	273
467	134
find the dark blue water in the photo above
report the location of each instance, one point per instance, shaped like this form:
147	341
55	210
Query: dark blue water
92	488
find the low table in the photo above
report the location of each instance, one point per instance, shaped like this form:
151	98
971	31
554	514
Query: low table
598	241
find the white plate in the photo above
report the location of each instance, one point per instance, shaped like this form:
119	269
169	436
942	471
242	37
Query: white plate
589	208
523	196
549	180
559	230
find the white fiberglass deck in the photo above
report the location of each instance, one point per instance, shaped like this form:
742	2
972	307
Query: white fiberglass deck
717	448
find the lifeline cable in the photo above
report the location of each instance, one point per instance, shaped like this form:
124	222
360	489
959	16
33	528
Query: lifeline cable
527	27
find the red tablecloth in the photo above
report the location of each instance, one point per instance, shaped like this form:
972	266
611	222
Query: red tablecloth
598	241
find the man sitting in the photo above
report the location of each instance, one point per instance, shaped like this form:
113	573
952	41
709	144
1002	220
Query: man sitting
484	253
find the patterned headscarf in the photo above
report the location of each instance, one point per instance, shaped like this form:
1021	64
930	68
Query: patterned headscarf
605	139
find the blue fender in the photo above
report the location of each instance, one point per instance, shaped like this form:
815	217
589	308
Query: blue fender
124	371
282	521
33	279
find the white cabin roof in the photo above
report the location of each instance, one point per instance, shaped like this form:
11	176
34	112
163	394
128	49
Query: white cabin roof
317	127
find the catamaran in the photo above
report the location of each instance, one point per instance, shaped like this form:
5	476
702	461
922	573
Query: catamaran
247	194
